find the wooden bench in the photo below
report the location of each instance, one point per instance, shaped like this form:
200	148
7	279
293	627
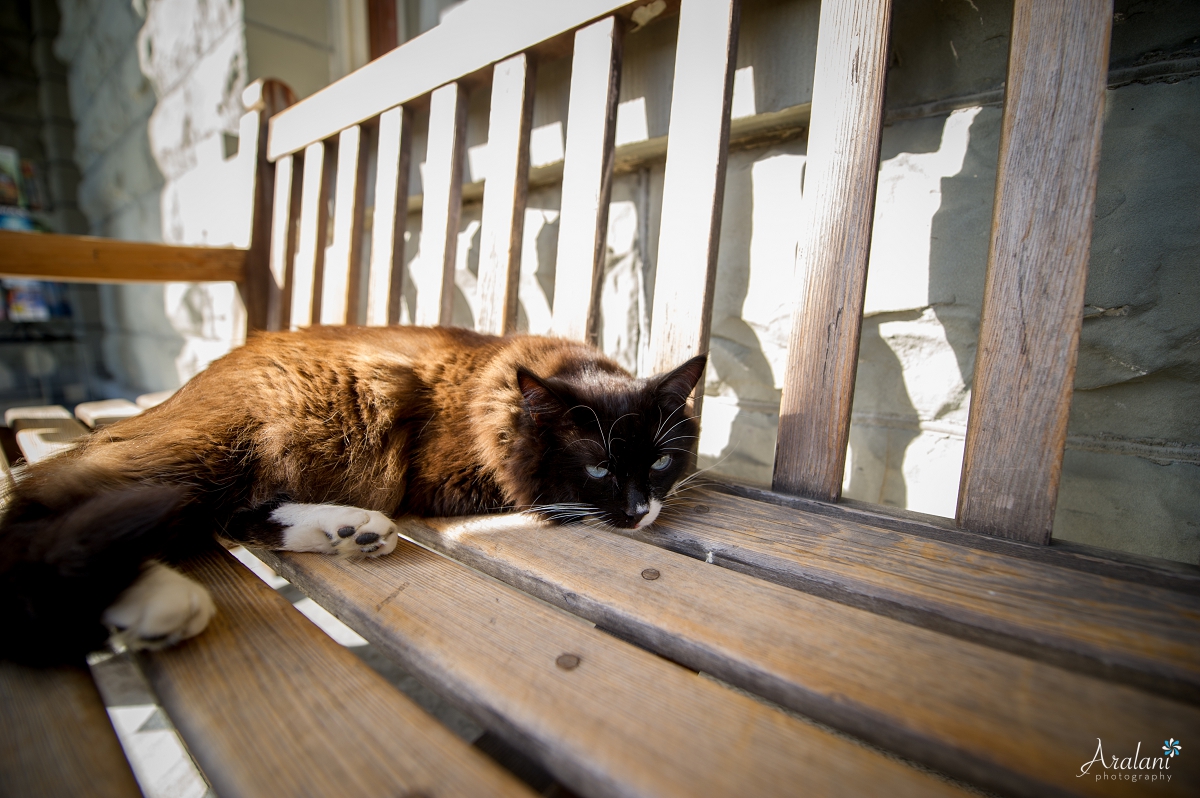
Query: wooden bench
753	641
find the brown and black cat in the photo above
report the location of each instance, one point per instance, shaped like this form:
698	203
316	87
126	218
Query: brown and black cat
314	441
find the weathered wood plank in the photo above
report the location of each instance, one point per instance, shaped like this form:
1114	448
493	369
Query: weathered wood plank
694	184
391	212
340	287
339	728
835	240
983	715
460	46
504	194
1135	633
285	216
434	272
314	223
1037	267
44	431
85	259
587	178
105	412
604	717
55	736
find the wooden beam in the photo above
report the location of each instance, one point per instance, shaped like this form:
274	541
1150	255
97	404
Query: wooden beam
84	259
341	284
694	183
504	194
314	221
391	213
1037	267
434	272
464	44
587	178
834	241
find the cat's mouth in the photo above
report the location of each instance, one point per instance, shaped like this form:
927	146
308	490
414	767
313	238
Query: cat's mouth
637	517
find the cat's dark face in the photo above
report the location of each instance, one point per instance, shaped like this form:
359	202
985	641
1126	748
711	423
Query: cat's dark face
613	446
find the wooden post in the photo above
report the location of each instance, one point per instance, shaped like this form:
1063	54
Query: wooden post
342	279
442	206
314	220
1037	267
391	214
835	239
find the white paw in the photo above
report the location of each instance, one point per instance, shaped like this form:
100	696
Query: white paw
333	528
161	608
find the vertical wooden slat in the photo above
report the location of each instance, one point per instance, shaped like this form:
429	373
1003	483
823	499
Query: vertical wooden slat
1037	267
391	212
434	277
504	194
284	226
587	177
314	219
694	184
834	240
339	289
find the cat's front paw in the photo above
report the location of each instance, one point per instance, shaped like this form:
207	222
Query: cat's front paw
158	610
334	528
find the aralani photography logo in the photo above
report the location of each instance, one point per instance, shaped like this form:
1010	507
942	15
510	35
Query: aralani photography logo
1132	768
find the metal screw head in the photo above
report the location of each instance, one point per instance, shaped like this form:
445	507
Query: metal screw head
651	574
701	508
568	662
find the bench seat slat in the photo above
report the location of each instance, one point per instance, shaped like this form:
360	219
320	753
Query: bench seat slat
387	229
834	241
442	206
269	705
978	713
694	182
587	177
618	721
1111	627
56	738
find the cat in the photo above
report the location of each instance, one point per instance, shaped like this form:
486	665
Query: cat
315	441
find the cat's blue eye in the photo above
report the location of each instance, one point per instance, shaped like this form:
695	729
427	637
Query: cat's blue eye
597	472
661	463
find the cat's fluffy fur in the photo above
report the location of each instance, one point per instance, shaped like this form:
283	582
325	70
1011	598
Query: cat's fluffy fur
397	420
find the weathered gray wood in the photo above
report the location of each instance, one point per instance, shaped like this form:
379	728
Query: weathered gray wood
340	287
604	717
285	215
694	184
504	194
105	412
387	231
1037	267
55	736
314	224
44	431
835	240
269	705
984	715
587	178
434	272
1127	631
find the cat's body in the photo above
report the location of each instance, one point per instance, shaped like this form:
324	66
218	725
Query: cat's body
312	441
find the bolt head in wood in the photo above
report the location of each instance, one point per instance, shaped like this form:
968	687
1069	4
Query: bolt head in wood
568	662
701	508
651	574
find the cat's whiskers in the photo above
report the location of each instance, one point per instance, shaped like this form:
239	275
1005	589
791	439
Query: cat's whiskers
683	420
610	432
661	421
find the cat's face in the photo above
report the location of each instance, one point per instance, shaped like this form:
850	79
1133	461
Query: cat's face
613	447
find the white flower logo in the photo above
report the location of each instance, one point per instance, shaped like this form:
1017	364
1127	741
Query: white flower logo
1172	747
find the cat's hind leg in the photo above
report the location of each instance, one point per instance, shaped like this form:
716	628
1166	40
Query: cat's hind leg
321	528
159	609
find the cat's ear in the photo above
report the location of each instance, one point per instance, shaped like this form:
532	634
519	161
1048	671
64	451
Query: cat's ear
540	400
677	385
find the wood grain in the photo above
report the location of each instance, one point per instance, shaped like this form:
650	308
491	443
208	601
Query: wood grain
433	274
387	230
834	241
44	431
85	259
694	183
55	736
268	705
460	46
621	722
343	275
1037	267
983	715
1135	633
314	222
587	178
105	412
285	228
504	194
